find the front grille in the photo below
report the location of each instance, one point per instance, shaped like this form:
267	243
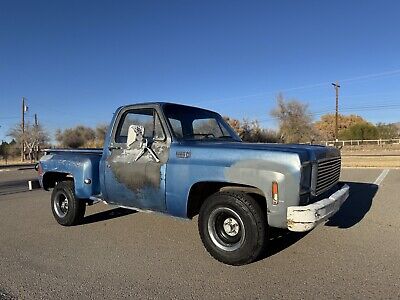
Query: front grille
327	175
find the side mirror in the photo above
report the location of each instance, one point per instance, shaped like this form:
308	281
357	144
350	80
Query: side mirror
135	134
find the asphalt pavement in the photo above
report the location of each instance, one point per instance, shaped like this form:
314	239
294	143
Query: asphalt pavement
118	253
15	180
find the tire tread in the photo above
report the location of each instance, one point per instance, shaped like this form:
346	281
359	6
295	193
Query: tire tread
259	218
78	206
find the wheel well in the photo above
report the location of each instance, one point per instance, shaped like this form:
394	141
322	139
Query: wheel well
200	191
51	178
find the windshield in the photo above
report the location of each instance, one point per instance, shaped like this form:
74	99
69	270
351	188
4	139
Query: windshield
191	123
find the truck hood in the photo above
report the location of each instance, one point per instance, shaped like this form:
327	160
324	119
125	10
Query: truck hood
305	152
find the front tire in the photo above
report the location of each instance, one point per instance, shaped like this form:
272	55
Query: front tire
233	227
66	208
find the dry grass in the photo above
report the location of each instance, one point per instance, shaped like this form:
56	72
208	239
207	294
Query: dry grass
371	156
388	148
391	162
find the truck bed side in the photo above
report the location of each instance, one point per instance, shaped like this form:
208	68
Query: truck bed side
80	165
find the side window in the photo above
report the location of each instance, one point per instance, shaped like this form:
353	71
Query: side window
176	127
146	117
158	131
207	126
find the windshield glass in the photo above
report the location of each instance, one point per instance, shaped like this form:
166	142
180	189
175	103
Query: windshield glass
191	123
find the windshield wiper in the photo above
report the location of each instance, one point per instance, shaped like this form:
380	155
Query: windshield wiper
199	134
208	136
226	136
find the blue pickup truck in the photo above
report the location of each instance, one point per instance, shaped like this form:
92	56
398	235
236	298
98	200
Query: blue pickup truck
185	161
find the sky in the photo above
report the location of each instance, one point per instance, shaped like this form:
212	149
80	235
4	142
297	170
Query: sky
77	61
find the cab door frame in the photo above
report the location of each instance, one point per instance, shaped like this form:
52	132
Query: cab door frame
117	177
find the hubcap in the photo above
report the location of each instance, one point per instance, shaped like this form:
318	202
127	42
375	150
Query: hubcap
231	227
61	204
226	229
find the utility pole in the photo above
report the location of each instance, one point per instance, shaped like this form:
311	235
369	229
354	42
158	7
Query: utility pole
36	133
23	128
336	86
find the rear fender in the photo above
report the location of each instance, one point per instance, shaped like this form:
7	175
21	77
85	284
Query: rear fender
84	170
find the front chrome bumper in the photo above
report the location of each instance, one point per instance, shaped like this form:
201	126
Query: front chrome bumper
305	218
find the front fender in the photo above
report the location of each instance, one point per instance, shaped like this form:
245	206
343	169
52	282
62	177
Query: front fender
251	168
261	174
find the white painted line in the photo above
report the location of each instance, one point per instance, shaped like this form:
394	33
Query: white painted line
381	177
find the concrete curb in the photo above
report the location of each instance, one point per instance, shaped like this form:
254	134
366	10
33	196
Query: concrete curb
13	166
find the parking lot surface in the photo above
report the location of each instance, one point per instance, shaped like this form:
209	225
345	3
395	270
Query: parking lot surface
119	253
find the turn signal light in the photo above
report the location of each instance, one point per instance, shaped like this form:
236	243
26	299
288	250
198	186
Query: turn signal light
275	194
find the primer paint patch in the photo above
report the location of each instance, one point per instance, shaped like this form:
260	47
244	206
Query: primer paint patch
144	173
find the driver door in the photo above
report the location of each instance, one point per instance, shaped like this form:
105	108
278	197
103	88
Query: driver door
135	166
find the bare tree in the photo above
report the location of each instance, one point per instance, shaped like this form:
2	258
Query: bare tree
234	123
387	131
262	135
295	123
34	137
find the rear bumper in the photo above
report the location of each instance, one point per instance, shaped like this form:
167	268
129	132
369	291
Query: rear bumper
305	218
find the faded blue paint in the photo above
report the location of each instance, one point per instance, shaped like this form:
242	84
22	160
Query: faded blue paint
106	153
80	164
217	162
254	165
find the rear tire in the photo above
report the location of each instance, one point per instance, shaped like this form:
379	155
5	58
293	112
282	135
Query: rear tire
233	227
66	208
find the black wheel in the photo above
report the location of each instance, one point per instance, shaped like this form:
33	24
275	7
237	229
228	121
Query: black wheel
66	208
233	227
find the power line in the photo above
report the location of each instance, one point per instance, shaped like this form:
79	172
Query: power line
310	86
328	109
344	109
372	76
